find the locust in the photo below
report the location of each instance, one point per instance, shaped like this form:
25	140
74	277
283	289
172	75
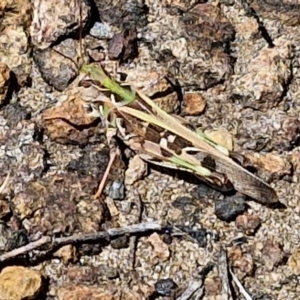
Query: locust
171	141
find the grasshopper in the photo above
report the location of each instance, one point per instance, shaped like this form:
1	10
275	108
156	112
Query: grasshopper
171	141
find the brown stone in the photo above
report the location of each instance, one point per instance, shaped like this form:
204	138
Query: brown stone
247	223
17	283
195	103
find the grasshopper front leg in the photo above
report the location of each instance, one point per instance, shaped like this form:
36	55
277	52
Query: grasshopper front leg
111	121
114	153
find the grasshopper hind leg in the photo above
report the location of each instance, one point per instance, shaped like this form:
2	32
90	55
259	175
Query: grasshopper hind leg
224	187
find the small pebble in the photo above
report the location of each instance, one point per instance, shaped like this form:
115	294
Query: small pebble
200	235
117	190
248	223
164	287
229	208
167	238
101	31
120	242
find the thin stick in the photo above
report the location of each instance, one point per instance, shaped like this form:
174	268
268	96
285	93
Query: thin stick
82	238
134	239
193	287
105	175
25	249
223	273
239	285
196	286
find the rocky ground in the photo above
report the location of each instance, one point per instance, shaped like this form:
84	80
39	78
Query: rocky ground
231	67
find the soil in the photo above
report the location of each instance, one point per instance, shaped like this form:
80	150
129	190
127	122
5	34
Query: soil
230	67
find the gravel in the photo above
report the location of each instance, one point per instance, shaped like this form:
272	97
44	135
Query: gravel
242	59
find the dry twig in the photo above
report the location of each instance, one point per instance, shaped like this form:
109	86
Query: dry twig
82	238
223	272
196	288
239	285
133	240
193	287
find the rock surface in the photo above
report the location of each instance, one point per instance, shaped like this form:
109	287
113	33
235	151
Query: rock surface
18	283
229	67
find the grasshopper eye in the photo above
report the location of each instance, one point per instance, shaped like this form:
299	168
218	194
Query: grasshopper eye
86	83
